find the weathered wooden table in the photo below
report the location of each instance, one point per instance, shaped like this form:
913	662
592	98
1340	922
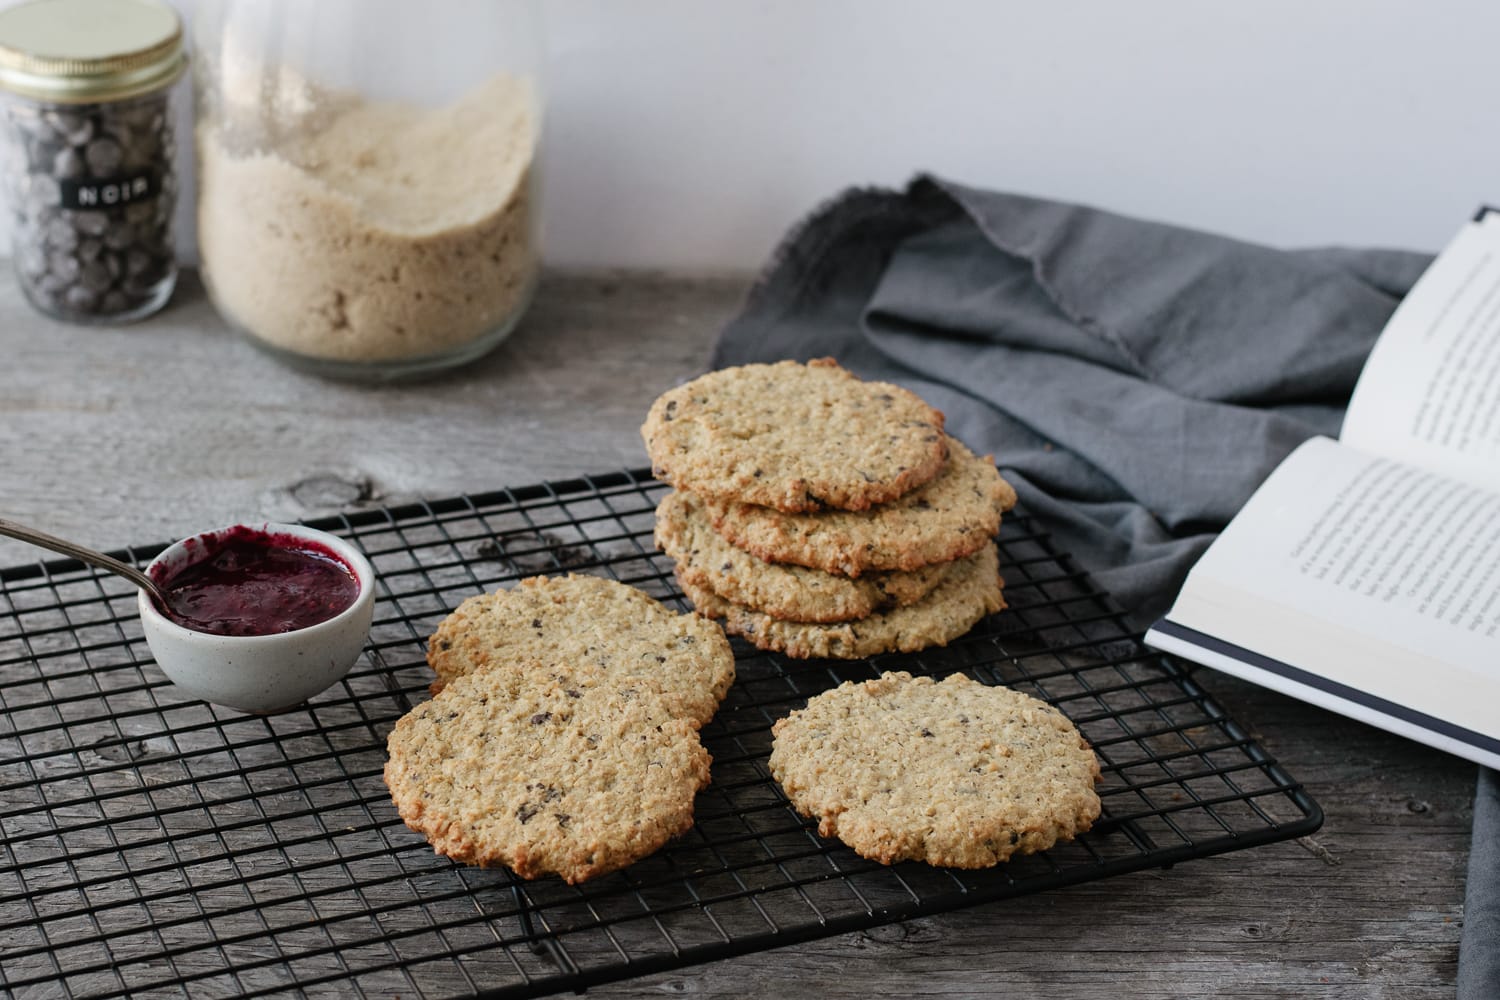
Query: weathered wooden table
120	436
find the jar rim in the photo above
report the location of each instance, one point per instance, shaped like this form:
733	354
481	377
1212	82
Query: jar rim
83	51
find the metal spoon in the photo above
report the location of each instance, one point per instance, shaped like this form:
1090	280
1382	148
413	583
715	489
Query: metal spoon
82	554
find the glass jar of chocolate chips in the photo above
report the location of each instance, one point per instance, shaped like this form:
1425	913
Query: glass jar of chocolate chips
86	154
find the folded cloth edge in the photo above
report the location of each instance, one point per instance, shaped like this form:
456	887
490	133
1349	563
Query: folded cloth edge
1479	947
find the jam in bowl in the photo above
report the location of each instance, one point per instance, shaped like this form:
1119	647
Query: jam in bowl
259	617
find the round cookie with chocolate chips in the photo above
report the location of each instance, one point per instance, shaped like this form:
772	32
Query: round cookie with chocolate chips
707	560
970	590
953	773
563	772
954	515
794	437
587	619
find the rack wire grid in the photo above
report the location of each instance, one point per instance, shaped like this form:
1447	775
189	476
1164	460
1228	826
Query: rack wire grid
151	844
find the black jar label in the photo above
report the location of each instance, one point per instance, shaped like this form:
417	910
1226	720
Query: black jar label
112	192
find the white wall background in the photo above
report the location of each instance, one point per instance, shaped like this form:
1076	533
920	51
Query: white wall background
691	134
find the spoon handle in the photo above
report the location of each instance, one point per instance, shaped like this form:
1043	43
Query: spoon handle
82	554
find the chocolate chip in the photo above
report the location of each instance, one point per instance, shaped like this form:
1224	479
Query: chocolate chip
103	155
95	277
68	165
80	298
64	266
119	235
93	184
526	811
91	223
927	733
540	717
59	235
562	819
137	263
43	193
75	129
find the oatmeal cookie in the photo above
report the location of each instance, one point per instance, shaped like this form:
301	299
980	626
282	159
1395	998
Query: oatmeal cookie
951	517
560	771
953	773
781	590
574	618
794	437
971	590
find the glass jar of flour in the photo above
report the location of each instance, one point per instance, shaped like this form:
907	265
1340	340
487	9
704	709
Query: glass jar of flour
366	198
87	156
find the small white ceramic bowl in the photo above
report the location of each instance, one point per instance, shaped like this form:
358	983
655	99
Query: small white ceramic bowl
259	673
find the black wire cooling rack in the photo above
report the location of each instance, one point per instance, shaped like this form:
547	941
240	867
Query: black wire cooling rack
159	845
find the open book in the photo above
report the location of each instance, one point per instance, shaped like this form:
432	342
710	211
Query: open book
1364	575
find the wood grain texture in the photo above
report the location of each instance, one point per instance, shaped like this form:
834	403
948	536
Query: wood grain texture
118	435
1368	907
113	436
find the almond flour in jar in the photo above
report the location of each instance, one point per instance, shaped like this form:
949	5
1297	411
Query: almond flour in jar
362	238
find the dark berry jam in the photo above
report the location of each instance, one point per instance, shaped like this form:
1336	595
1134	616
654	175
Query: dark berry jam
250	582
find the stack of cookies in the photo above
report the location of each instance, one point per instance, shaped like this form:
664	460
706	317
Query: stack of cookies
820	515
563	735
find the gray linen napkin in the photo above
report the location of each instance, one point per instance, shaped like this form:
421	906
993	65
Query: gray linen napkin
1135	381
1479	951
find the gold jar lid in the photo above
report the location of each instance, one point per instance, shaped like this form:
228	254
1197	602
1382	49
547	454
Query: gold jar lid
87	51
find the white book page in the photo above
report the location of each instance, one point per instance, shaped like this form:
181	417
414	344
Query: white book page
1372	573
1430	392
